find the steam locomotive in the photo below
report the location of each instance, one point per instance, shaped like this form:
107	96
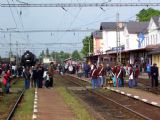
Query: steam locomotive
28	59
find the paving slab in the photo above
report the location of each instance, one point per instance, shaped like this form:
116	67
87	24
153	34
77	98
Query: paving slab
51	106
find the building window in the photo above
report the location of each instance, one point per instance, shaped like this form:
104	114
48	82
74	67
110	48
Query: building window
151	39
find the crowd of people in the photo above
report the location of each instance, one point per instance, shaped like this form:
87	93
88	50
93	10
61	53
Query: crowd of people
117	74
40	76
34	76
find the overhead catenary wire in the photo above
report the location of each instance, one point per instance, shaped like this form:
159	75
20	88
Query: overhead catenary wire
45	30
12	15
19	16
82	4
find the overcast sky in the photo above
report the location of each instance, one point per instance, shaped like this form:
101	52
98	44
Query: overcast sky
59	19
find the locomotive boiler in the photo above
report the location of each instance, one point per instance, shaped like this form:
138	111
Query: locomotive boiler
28	59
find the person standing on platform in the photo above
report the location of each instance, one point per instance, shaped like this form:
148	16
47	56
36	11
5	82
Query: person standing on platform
131	82
136	74
114	77
34	76
40	72
101	81
27	76
154	75
51	73
86	70
148	70
94	77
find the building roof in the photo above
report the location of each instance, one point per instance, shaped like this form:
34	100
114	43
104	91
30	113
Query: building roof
97	34
111	26
156	20
137	27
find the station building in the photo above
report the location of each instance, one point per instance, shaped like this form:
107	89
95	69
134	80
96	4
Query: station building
139	42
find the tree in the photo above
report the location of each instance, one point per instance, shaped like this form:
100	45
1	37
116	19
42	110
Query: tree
146	14
47	52
42	54
87	45
60	56
76	55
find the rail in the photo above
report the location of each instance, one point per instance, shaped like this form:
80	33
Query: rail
113	101
11	113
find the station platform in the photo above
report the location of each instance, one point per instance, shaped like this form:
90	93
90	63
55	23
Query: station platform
138	94
144	96
49	105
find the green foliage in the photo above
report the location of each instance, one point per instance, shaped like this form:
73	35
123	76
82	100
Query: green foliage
87	41
76	55
146	14
42	54
47	52
60	56
25	111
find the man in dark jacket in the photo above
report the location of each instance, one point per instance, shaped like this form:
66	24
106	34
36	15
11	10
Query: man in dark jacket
154	75
34	76
40	72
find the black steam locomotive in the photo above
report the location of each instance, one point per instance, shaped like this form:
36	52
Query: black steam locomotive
28	59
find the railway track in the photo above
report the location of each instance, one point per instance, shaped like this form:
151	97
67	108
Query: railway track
134	107
145	85
13	109
9	102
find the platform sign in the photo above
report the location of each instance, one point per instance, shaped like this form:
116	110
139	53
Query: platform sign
140	39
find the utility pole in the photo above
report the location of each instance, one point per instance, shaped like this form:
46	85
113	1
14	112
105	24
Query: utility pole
10	50
118	50
89	47
17	57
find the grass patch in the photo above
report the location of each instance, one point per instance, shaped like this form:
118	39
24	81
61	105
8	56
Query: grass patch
25	109
79	110
18	84
7	101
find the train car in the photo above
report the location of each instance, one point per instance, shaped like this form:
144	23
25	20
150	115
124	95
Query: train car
28	59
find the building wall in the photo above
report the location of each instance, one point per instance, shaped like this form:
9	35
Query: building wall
97	45
133	43
110	39
153	35
130	40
